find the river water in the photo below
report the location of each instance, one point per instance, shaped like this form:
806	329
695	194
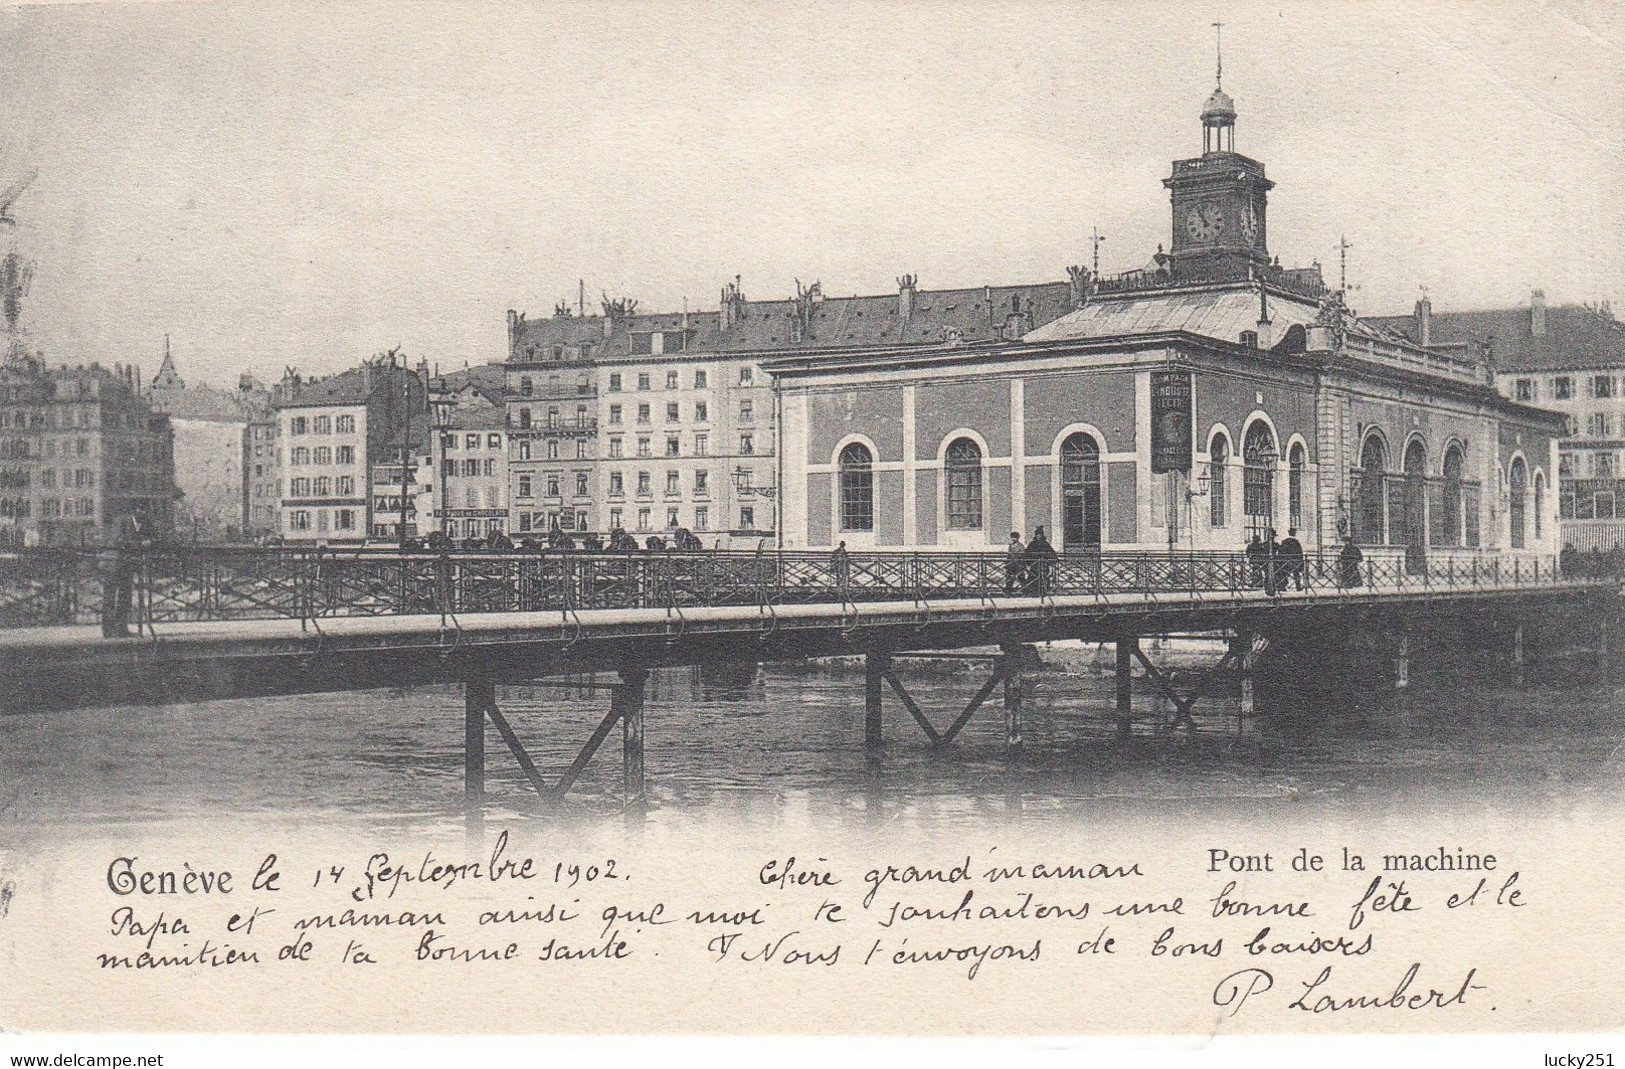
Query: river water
788	747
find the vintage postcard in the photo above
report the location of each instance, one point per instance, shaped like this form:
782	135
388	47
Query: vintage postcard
858	519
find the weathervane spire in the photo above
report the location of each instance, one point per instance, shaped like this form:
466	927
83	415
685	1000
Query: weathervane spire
1218	46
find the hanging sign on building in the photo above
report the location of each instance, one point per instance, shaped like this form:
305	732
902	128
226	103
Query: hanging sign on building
1170	421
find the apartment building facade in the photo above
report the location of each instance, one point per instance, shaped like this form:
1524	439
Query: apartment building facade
1569	359
336	439
651	423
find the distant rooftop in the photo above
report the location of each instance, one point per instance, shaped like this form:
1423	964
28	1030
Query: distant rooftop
1532	338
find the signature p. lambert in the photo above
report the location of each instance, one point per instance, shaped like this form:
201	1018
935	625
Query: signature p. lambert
1234	990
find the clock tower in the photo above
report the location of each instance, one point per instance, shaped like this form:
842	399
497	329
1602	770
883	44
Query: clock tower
1219	199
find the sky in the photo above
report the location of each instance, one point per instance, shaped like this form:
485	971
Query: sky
307	184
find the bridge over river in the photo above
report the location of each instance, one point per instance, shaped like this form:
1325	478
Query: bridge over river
212	623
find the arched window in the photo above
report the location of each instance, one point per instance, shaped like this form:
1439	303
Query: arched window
963	467
1080	492
1294	485
1448	522
857	488
1540	502
1410	524
1258	454
1218	454
1369	515
1519	484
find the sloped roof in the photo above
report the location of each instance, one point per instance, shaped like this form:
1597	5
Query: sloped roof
487	379
476	417
977	314
1575	338
1211	312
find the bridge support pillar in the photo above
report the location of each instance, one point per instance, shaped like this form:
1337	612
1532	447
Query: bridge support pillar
1519	661
1011	662
1241	651
875	667
478	696
1402	660
629	698
1126	644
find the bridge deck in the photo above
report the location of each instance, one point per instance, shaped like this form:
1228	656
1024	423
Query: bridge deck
73	665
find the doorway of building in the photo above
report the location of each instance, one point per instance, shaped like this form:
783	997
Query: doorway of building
1080	493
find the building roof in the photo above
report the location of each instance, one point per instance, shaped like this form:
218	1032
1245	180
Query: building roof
352	387
474	416
1212	312
486	379
811	322
1576	337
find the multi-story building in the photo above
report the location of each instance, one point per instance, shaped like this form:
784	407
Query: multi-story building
80	451
262	479
1567	359
338	439
470	461
654	422
1199	404
552	427
214	451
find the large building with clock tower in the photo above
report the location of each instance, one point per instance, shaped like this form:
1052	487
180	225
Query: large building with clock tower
1190	406
1219	201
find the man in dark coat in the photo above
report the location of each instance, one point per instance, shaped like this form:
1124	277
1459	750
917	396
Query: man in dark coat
1040	559
117	563
1292	564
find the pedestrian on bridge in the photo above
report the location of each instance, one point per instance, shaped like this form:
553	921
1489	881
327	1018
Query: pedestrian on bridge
1039	560
1348	565
118	563
1015	570
840	564
1255	561
1292	558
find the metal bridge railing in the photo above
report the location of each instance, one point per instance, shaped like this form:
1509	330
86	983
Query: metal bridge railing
48	587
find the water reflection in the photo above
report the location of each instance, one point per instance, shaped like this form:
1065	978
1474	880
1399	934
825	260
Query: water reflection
787	742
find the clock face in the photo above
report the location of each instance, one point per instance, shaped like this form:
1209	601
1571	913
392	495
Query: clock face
1249	224
1204	221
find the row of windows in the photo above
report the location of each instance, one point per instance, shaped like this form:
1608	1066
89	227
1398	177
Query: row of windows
1599	464
471	466
617	483
551	449
321	425
553	482
69	420
322	486
747	377
702	412
1600	387
644	518
567	520
527	386
343	520
448	442
674	446
80	479
53	508
554	420
301	456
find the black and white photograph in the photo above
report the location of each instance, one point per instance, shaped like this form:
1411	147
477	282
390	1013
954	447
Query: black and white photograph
1045	521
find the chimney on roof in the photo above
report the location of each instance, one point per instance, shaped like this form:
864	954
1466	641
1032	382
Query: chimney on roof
905	298
1424	322
1078	282
732	305
1537	313
513	330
